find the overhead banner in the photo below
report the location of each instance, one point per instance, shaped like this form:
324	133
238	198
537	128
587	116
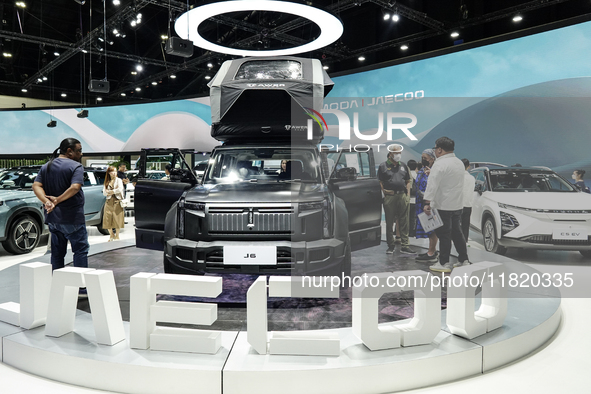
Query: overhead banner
181	124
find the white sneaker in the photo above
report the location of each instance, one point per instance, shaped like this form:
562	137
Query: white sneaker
462	263
447	267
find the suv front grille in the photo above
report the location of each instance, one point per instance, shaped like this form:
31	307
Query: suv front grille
547	239
249	220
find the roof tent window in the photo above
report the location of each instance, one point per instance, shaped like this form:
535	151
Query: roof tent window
270	69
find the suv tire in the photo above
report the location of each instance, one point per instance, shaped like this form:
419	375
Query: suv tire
489	237
23	235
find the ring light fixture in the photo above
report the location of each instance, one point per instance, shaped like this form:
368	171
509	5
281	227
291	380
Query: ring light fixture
187	25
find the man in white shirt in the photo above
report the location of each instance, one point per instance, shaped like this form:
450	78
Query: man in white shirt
445	193
469	183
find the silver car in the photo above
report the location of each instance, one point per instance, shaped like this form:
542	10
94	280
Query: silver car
21	213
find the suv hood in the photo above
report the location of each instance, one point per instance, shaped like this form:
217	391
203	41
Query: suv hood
247	192
8	195
544	200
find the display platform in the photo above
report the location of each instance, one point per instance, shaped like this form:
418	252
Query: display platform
76	358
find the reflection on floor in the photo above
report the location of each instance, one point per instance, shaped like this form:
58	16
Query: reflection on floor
284	314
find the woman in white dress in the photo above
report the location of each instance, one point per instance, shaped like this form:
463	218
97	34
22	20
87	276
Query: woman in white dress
113	215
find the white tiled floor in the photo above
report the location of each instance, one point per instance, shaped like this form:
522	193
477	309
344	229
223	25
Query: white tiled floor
560	367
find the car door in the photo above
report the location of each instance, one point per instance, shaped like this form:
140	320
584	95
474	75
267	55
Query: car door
94	200
478	199
353	178
154	197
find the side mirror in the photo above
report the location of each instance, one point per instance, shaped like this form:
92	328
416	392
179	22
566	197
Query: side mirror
478	188
346	174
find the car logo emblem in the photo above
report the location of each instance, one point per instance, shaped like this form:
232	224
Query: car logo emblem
250	224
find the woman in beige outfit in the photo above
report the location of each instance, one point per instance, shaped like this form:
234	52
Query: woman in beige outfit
113	216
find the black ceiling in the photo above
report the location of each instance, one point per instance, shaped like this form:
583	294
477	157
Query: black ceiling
32	35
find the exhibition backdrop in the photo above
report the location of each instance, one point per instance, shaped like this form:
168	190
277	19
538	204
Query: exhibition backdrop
520	101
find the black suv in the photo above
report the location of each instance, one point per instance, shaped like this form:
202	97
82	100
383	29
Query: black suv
247	215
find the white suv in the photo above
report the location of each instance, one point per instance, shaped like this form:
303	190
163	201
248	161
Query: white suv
531	208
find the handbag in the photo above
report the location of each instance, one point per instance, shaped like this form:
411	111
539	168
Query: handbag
123	203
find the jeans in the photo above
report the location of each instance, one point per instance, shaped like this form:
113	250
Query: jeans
451	231
466	213
396	207
78	237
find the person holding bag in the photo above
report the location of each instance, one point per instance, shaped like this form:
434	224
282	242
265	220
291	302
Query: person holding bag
113	216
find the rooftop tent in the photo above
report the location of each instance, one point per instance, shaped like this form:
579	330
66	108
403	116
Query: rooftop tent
265	98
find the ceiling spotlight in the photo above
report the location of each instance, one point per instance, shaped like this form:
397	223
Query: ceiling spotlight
123	95
395	18
21	4
209	65
116	2
39	80
164	37
56	53
52	123
207	77
24	90
361	58
154	83
139	67
454	34
116	32
138	89
134	73
82	114
139	16
99	99
386	16
44	78
172	76
64	95
84	51
325	67
6	54
133	23
517	18
404	47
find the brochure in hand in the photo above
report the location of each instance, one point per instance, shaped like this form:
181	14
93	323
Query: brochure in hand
430	222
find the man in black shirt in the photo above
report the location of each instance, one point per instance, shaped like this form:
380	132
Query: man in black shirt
395	180
121	174
59	187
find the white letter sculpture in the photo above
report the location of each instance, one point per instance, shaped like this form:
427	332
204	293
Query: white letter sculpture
146	311
461	318
305	343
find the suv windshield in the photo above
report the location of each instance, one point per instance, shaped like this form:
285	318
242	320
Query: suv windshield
17	179
264	164
528	181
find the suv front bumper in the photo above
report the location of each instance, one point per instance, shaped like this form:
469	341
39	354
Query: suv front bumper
321	257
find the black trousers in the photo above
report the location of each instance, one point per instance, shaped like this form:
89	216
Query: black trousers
451	231
466	212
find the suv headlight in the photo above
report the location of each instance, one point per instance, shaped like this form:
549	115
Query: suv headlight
326	207
508	223
184	205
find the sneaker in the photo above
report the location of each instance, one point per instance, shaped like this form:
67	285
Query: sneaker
426	258
407	250
390	250
462	263
82	293
397	240
447	267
